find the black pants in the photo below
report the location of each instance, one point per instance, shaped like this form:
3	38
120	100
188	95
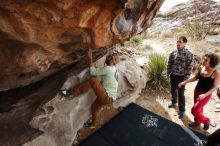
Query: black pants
177	92
214	138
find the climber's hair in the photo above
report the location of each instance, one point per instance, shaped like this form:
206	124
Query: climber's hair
112	58
214	59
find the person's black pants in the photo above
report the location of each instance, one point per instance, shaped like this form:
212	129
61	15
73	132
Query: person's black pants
177	92
214	138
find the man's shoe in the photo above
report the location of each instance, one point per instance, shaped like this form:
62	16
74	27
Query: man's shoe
206	127
181	114
66	93
173	105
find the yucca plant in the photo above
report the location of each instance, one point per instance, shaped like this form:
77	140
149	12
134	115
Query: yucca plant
156	72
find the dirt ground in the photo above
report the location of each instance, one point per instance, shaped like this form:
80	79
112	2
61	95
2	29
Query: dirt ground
158	102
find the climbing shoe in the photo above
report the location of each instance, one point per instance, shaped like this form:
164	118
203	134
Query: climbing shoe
206	127
66	93
89	125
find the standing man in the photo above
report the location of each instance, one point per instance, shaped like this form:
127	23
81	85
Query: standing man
179	68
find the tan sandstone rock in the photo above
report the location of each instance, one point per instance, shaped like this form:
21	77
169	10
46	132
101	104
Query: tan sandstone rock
39	37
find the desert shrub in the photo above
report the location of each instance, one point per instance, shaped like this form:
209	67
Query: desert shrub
136	39
210	1
156	72
160	15
196	30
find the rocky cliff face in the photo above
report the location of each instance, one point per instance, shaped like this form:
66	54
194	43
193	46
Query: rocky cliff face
204	11
200	9
38	37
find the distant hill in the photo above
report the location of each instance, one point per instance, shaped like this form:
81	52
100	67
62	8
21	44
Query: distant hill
205	12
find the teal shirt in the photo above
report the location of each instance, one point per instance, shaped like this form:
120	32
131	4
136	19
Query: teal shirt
108	79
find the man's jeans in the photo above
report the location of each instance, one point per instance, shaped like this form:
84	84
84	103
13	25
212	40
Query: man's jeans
177	92
102	98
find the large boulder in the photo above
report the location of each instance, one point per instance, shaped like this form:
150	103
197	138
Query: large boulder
60	118
38	37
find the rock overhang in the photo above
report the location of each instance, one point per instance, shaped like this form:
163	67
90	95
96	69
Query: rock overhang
39	37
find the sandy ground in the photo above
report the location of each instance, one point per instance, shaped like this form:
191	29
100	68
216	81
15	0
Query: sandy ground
159	105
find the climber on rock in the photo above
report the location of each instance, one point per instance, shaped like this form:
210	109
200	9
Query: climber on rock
106	90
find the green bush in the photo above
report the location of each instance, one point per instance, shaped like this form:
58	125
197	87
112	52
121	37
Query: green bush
160	15
156	72
136	39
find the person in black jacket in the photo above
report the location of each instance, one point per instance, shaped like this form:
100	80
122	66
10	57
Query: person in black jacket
179	68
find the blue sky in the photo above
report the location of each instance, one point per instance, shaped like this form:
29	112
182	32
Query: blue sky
170	3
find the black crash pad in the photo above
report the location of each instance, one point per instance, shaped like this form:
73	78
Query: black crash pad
136	126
